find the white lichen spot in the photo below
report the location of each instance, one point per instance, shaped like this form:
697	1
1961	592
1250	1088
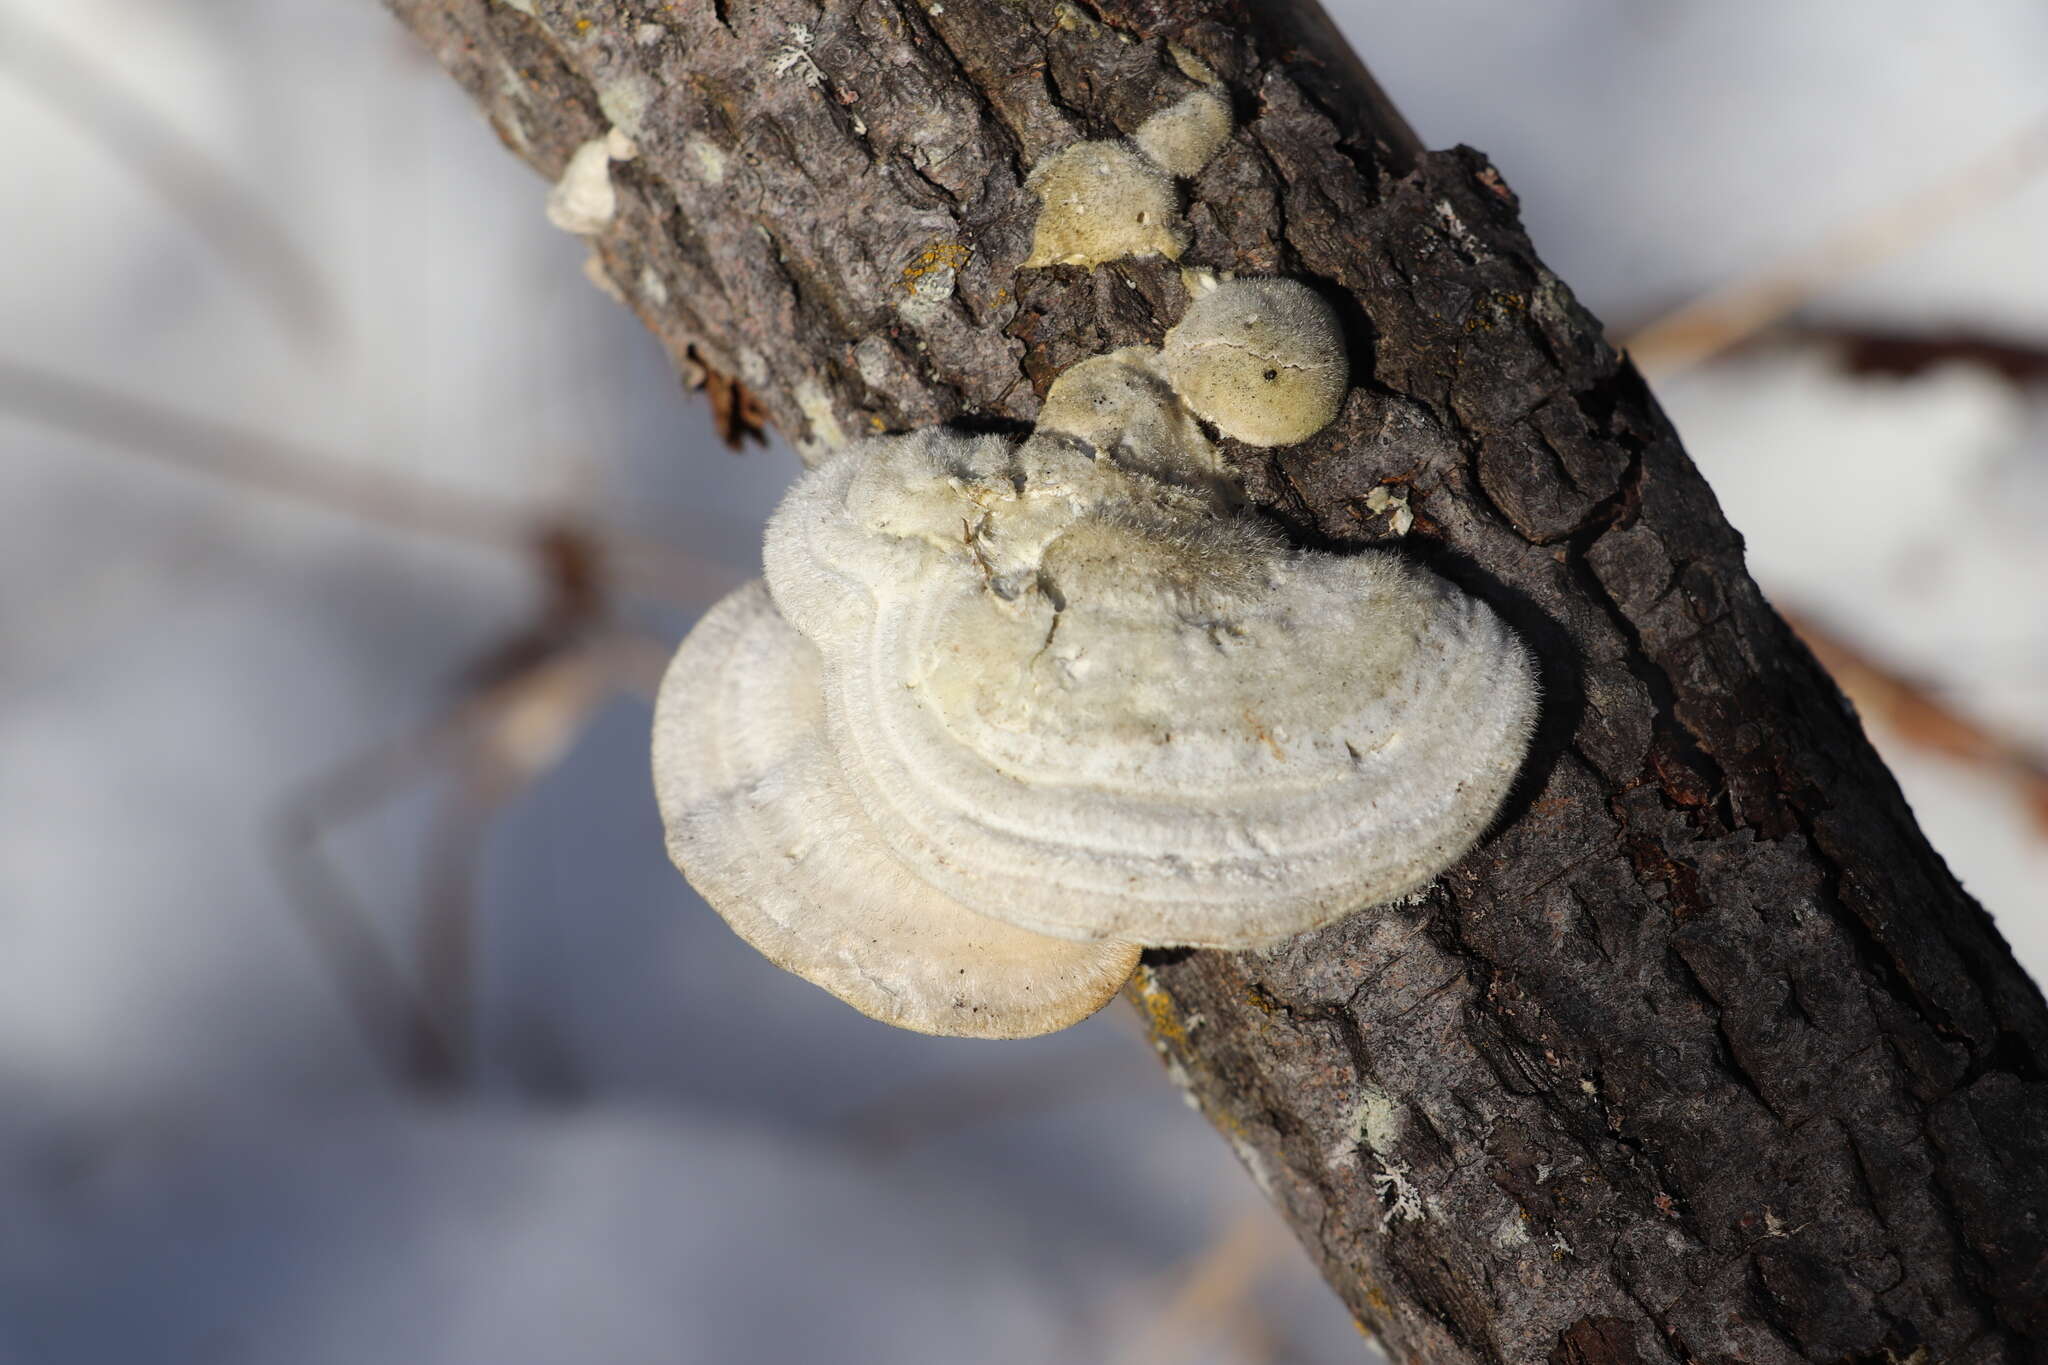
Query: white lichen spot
1263	360
652	287
924	302
753	368
1447	218
1178	1076
1513	1231
871	359
1183	138
707	157
1394	504
1376	1121
523	6
1103	201
647	35
1397	1192
625	100
793	57
583	201
511	84
816	405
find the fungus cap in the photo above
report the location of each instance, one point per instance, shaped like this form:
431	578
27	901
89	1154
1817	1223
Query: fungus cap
1122	406
1262	359
1184	137
760	821
1103	201
1076	698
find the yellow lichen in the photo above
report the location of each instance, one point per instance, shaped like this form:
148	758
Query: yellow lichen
1162	1018
941	255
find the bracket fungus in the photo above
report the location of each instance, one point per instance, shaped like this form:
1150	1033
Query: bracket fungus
1007	710
758	813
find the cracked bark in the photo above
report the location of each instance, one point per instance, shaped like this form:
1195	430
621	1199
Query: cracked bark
1704	1055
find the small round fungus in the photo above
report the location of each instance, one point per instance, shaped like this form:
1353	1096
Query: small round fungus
1103	201
1186	136
1122	405
761	822
1262	359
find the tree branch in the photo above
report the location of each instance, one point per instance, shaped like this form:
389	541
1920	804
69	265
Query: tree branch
1704	1055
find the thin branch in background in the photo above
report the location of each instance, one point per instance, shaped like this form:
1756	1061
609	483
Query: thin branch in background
1213	1288
519	706
507	729
1724	318
221	208
271	465
205	446
1923	719
1905	355
399	1026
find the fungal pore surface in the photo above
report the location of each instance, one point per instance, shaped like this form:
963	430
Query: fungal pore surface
760	816
1006	710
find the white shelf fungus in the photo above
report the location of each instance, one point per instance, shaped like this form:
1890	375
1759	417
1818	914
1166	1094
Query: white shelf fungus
1017	707
1005	711
758	814
1262	359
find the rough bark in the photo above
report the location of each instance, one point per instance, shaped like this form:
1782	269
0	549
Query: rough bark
1704	1055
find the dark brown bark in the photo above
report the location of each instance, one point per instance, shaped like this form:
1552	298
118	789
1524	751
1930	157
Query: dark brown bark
1704	1055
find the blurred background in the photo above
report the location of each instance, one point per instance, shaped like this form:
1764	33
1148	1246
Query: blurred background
292	359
